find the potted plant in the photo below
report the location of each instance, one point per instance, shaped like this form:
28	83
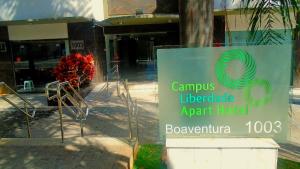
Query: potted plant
77	69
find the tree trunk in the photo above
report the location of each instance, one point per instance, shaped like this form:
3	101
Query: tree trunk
196	22
296	59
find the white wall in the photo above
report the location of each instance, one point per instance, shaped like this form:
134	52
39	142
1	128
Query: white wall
38	31
40	9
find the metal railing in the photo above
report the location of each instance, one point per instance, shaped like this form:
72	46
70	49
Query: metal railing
65	94
24	108
294	98
132	108
114	74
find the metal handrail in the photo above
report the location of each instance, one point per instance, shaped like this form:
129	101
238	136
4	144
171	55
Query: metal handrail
62	86
20	97
132	109
82	114
114	70
25	106
114	73
47	89
77	103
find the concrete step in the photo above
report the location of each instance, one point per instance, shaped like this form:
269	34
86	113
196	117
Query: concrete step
90	152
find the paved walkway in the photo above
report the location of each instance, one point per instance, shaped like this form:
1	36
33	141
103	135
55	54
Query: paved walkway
108	116
75	153
37	99
106	131
108	109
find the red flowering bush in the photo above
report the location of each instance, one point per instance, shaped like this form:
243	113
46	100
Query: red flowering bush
75	68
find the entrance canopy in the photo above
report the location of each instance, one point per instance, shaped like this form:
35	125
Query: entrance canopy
142	19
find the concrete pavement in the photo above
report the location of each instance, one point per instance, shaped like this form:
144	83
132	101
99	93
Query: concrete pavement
105	143
75	153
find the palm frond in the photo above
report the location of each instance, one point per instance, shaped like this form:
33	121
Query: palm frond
263	17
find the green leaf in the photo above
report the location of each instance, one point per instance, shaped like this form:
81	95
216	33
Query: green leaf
263	15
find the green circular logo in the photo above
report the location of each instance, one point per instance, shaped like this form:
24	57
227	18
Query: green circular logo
254	101
248	72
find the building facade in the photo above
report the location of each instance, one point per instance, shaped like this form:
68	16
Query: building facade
35	34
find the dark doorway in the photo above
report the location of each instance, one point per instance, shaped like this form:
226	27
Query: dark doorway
127	50
219	31
135	54
35	60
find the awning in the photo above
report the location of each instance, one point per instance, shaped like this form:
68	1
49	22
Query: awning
46	21
142	19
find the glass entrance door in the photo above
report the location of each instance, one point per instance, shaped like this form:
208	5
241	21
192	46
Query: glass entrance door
35	60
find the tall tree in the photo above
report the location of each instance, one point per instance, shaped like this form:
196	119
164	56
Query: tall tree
196	22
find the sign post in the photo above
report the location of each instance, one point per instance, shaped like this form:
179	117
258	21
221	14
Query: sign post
216	102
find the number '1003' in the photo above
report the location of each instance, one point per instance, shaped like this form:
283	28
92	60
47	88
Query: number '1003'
264	127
